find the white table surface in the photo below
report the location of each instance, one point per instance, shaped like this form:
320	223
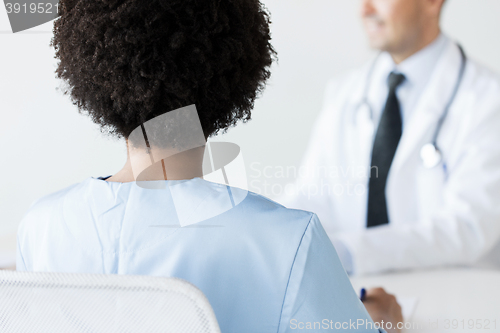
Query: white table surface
449	300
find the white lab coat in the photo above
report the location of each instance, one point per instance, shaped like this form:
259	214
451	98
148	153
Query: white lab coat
446	215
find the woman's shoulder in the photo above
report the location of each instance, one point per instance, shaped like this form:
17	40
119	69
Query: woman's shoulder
277	213
42	208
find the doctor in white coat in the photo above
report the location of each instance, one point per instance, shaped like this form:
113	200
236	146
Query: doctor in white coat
403	168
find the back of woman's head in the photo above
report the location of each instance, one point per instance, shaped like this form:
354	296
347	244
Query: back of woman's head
128	61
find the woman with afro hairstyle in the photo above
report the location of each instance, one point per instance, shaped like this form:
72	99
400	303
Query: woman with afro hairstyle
129	65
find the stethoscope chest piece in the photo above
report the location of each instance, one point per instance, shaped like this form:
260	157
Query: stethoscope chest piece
431	156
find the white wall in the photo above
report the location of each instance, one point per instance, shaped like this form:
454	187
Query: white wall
46	145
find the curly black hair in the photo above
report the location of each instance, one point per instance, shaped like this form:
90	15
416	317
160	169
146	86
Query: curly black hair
128	61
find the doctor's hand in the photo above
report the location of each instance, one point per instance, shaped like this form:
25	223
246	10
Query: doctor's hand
383	308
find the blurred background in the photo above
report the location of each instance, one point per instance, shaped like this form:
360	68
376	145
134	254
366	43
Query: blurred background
46	145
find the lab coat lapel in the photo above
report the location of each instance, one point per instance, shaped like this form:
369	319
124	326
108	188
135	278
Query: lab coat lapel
423	120
358	123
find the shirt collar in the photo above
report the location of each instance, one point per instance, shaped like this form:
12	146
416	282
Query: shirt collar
418	67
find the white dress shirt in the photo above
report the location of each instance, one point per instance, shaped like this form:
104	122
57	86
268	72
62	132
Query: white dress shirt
417	69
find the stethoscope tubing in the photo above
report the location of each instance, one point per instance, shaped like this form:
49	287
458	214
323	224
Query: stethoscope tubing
453	96
444	114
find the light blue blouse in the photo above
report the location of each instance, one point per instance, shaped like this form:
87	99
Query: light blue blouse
263	267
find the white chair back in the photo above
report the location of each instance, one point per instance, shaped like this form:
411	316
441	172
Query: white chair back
63	302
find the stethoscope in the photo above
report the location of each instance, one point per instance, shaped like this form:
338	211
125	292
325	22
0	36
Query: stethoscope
430	154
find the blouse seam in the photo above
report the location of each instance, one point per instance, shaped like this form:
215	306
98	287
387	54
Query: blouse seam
122	220
291	269
94	222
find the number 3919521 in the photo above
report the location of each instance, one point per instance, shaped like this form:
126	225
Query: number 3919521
32	8
476	324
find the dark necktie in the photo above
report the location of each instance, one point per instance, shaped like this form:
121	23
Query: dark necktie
384	147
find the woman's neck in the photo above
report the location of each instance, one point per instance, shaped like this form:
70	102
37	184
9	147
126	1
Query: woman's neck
160	164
